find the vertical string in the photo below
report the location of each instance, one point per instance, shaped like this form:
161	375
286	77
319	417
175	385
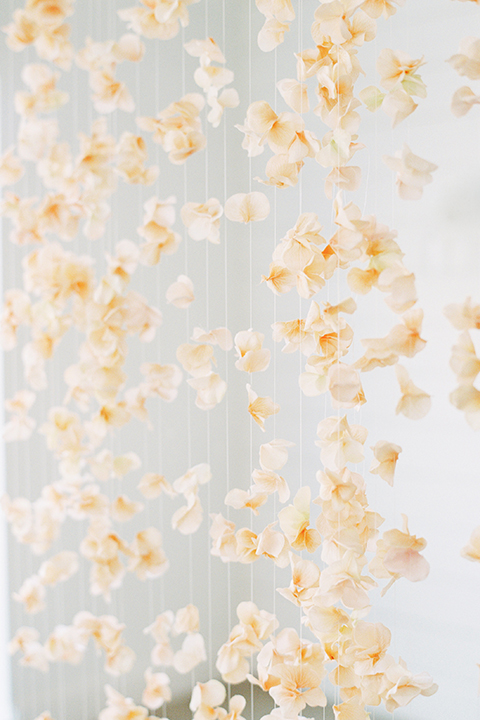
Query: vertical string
207	318
227	414
187	329
250	233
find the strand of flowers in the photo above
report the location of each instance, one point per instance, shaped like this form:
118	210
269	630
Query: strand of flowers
106	312
291	669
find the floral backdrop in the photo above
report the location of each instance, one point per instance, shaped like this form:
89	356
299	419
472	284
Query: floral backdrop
233	447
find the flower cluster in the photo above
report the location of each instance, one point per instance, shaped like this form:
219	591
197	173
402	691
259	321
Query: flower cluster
178	128
400	78
41	23
278	14
184	622
212	78
464	361
68	643
160	19
467	64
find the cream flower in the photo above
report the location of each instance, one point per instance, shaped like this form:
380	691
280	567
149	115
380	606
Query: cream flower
196	359
345	386
224	542
252	499
414	403
375	8
465	316
180	293
294	521
412	173
188	518
274	454
252	358
162	380
235	706
299	687
467	61
247	207
210	389
187	620
268	482
220	336
274	545
227	99
44	97
207	50
260	408
157	690
203	220
354	708
194	477
340	442
471	551
398	555
152	485
11	169
121	708
123	509
386	456
148	559
206	697
162	626
404	686
131	158
398	105
295	95
463	100
20	426
157	19
191	654
304	585
110	94
271	34
59	568
399	69
32	595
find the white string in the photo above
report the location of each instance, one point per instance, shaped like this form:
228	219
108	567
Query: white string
207	317
252	697
227	415
187	329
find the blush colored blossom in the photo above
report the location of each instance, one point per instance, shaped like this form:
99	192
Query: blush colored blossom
247	207
414	403
260	408
206	697
413	173
386	456
203	220
219	336
157	690
252	358
467	61
210	389
191	654
180	293
471	551
294	521
463	100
